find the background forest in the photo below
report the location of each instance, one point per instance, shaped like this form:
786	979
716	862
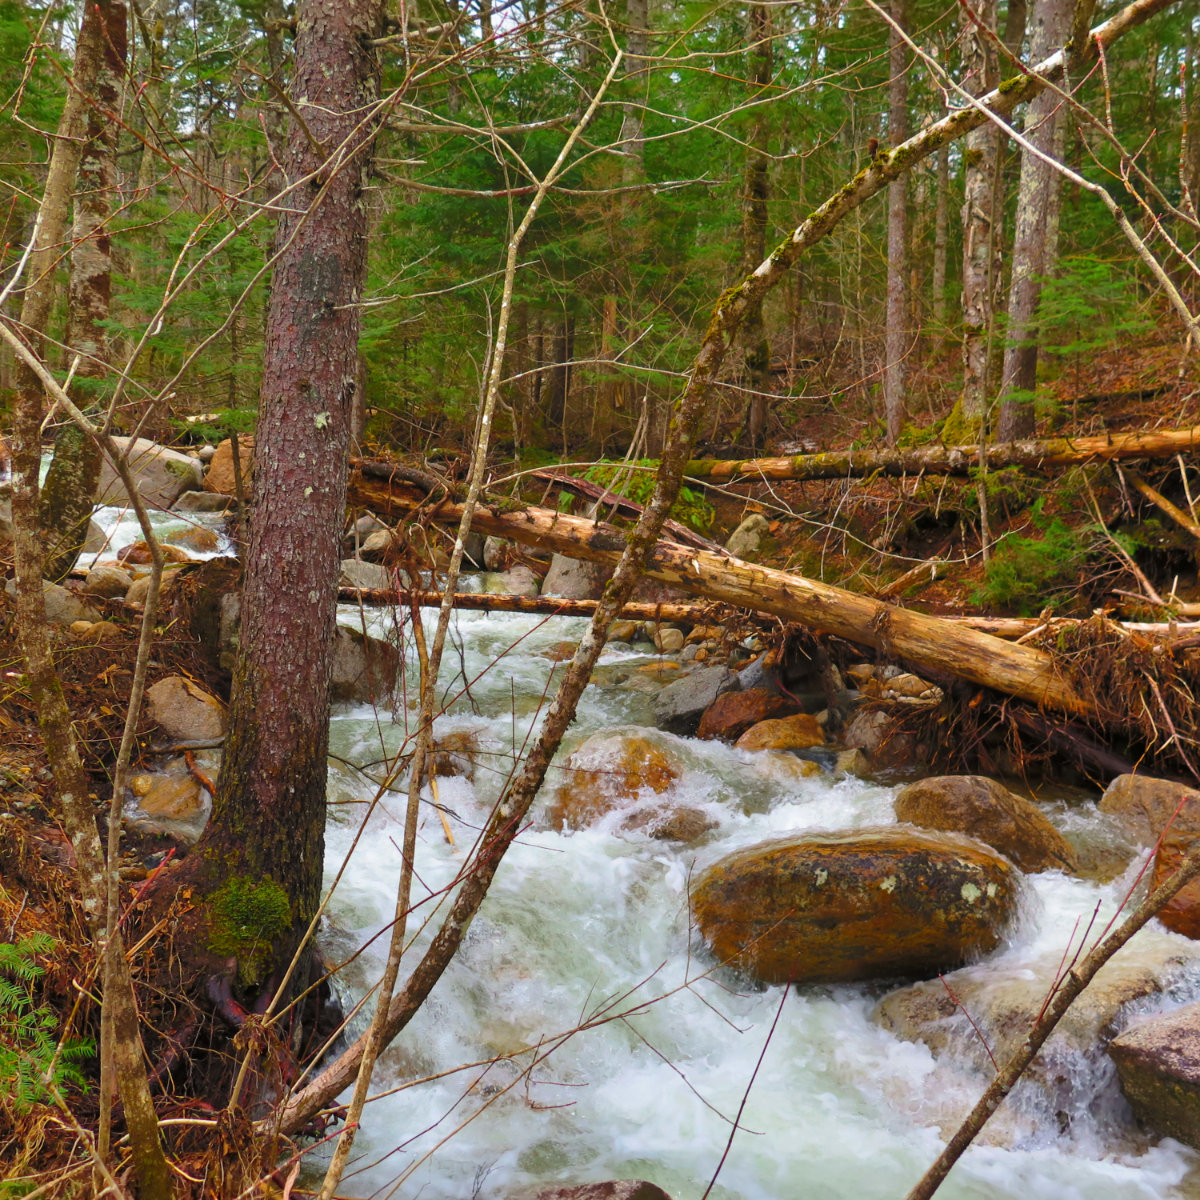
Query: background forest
726	126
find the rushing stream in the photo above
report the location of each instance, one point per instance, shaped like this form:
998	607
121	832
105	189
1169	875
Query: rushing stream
592	927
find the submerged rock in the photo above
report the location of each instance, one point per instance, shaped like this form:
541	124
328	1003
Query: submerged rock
610	1189
861	905
1003	1002
609	771
1158	1062
982	808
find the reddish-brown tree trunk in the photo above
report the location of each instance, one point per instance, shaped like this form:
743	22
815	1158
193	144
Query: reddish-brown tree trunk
268	816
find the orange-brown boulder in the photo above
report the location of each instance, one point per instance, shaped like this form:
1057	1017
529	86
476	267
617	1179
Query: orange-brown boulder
220	477
732	713
609	771
984	809
1182	914
797	732
137	554
195	537
1145	806
867	904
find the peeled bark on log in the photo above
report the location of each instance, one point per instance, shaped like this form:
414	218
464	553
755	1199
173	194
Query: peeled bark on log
551	606
951	460
922	640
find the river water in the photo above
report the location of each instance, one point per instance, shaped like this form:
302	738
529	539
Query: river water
489	1089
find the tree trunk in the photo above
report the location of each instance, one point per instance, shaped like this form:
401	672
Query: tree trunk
266	834
897	337
980	241
920	639
69	490
941	243
1035	238
757	349
951	460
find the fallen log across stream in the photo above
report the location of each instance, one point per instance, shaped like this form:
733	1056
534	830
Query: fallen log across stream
950	460
922	640
1006	628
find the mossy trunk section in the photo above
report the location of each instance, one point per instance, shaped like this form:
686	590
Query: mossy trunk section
268	816
66	501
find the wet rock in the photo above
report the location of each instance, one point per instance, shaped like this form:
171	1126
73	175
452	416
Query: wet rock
783	768
876	734
364	668
518	580
97	540
63	606
667	639
357	574
680	705
107	580
612	1189
860	905
184	710
1158	1061
137	554
609	771
1182	913
984	809
745	540
669	822
575	579
797	732
455	753
623	631
496	553
197	502
852	762
139	589
96	631
1004	999
196	538
170	801
220	476
160	475
1145	805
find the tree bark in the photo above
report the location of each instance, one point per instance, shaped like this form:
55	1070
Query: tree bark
268	815
69	490
757	349
941	243
897	336
980	271
1035	237
916	637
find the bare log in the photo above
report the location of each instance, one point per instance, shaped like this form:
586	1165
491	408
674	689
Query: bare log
951	460
922	640
550	606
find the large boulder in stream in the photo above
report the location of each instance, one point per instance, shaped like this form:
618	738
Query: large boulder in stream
679	707
731	714
1144	806
840	907
1158	1062
161	475
364	668
575	578
985	809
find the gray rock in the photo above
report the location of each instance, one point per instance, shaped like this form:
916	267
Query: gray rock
364	668
160	474
107	580
473	551
680	705
495	553
745	540
96	541
63	606
668	640
376	544
518	580
229	634
575	578
1158	1062
202	502
871	731
357	574
206	453
611	1189
185	711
